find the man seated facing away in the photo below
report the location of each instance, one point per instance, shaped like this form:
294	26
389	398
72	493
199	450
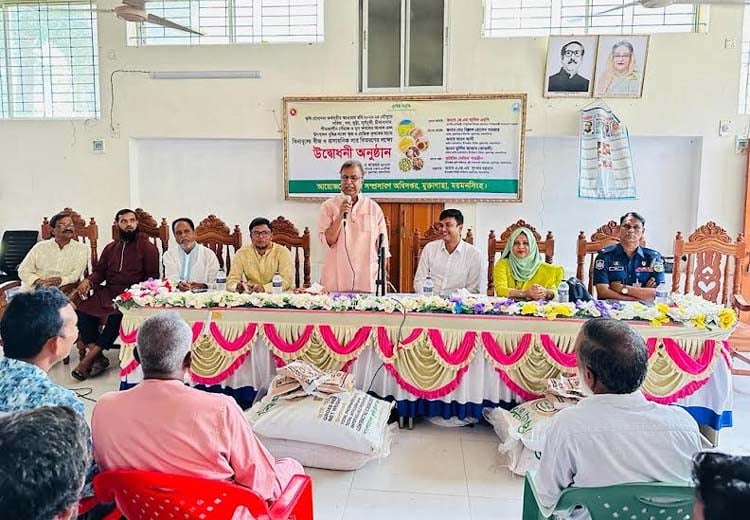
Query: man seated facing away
57	262
260	261
44	456
722	486
452	263
192	265
628	271
38	330
164	425
614	436
131	259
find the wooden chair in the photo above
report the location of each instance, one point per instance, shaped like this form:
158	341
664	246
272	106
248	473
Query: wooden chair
713	272
86	233
7	290
546	247
286	234
148	226
604	236
213	233
433	233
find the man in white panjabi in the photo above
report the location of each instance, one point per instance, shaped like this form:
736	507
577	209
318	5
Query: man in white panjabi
57	262
192	265
614	436
451	263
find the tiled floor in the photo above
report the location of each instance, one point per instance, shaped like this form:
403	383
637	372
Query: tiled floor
433	472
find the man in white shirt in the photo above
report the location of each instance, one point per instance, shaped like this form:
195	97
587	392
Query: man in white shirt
452	263
57	262
192	265
615	435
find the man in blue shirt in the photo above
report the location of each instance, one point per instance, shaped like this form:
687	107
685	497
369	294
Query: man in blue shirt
628	271
38	329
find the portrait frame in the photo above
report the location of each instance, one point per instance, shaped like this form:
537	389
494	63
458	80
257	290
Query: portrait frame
556	81
613	83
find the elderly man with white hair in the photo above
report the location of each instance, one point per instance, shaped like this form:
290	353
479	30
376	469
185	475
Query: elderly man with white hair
164	425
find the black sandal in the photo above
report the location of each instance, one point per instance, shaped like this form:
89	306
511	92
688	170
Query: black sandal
99	365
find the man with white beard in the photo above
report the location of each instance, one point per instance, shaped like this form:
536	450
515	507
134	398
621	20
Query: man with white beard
614	436
568	79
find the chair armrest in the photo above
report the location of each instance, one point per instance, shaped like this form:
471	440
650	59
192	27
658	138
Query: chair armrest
298	489
5	288
741	303
532	508
86	504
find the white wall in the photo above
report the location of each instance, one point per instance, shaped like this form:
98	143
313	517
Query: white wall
691	83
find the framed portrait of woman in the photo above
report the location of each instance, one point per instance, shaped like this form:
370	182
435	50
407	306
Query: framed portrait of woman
621	66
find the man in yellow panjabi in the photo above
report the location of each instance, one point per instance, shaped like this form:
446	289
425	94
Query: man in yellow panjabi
254	265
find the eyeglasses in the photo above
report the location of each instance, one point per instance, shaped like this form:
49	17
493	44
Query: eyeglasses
345	178
568	54
621	56
261	233
628	227
65	226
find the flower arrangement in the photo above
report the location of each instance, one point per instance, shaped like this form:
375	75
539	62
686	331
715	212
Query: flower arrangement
143	294
689	310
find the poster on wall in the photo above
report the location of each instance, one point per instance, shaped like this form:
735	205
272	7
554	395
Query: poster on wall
605	169
620	66
423	148
570	66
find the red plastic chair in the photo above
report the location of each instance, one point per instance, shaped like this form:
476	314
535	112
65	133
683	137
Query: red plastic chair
145	495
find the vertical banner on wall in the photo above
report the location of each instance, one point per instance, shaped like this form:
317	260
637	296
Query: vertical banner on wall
605	164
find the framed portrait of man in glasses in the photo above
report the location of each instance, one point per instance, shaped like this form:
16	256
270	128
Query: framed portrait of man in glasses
570	66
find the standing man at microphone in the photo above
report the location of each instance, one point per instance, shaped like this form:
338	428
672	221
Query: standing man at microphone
349	225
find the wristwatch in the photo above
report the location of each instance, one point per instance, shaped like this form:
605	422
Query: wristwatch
624	290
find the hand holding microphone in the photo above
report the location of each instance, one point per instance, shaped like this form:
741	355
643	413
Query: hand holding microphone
346	207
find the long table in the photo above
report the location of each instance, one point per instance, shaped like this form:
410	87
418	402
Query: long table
447	365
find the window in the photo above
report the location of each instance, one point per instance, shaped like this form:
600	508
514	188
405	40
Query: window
543	17
232	21
403	44
745	70
49	64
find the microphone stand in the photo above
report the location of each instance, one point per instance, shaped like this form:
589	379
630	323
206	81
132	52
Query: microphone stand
380	281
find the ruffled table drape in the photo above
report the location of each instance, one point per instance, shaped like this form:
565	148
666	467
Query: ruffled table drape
428	356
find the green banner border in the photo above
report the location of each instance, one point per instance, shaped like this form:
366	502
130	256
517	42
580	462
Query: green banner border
327	186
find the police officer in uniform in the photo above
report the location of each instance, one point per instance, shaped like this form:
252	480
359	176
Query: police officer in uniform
627	271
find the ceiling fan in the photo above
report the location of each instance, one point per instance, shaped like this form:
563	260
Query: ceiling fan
667	3
135	11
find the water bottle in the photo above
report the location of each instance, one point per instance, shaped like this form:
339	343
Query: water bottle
276	283
221	280
563	292
427	286
662	293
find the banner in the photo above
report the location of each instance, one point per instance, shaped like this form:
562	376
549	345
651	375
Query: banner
424	148
605	163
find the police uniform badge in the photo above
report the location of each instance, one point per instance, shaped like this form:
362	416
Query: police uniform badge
599	265
658	266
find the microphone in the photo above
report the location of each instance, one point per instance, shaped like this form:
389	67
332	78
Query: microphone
347	198
381	239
